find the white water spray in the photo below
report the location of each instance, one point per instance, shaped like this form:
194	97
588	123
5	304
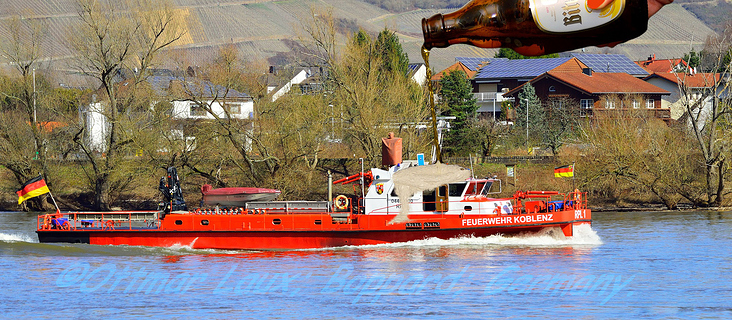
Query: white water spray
17	237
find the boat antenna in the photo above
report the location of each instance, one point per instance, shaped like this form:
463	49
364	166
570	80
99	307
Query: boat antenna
363	192
472	172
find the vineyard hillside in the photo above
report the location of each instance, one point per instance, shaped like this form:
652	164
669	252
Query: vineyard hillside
263	29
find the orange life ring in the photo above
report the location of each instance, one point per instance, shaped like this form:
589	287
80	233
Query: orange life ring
341	202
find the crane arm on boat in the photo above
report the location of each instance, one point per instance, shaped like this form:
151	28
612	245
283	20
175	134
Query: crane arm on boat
368	177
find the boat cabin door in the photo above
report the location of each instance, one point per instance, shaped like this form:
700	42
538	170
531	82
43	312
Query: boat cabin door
442	202
436	200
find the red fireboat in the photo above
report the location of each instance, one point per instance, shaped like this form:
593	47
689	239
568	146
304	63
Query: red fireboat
451	207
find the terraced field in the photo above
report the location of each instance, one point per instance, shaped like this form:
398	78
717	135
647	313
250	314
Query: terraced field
672	32
260	28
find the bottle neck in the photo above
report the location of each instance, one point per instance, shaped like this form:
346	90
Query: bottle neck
434	32
441	31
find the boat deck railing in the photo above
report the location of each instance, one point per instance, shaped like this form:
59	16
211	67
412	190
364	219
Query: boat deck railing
113	220
523	202
549	201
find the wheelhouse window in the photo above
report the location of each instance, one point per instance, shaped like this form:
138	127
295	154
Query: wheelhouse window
456	189
478	188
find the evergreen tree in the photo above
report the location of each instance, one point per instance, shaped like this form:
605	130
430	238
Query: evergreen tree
361	38
394	58
693	59
458	101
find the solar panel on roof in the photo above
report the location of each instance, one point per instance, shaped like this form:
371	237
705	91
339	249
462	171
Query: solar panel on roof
614	63
522	68
473	63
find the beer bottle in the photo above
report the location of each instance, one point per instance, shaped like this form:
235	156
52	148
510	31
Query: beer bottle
536	27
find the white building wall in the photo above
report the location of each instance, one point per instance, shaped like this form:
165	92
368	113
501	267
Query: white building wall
674	101
97	127
420	75
185	110
297	79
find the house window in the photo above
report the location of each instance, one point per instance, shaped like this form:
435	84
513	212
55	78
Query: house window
636	104
650	104
197	110
233	108
558	104
585	107
586	103
552	89
609	104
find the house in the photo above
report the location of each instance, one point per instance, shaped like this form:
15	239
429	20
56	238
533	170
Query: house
696	86
418	73
653	65
312	80
499	75
238	105
469	65
270	79
300	76
598	92
181	93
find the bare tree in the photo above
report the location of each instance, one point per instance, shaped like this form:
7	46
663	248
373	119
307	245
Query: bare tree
708	109
561	116
22	48
115	42
631	151
370	86
288	133
485	134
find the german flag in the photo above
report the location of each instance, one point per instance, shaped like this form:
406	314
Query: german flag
564	171
32	188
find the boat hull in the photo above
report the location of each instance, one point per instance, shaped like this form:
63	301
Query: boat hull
258	232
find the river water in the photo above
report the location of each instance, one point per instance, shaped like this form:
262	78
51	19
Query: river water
628	265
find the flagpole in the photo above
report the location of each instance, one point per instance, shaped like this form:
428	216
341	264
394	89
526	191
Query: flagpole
573	184
58	211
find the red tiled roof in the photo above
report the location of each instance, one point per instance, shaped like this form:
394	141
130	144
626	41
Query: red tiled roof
572	65
604	83
456	66
662	65
697	80
599	83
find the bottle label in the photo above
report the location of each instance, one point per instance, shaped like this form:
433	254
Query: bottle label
561	16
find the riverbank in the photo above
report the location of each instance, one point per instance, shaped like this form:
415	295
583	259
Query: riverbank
141	192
